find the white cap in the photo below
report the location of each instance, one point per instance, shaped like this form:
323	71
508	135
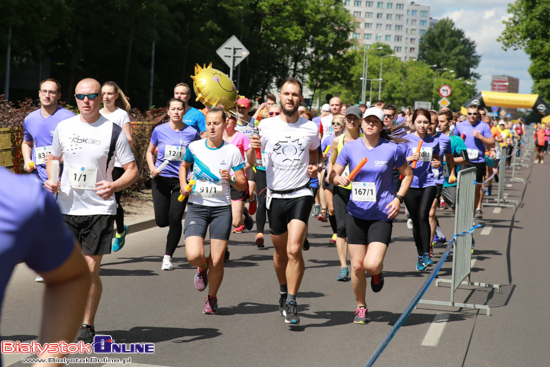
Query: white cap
374	111
325	107
501	122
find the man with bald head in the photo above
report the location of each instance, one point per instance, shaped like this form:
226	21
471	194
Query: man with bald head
87	143
335	106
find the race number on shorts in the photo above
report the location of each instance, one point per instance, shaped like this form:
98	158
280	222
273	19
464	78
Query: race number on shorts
363	191
83	178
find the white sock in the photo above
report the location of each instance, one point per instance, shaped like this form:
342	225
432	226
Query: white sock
439	232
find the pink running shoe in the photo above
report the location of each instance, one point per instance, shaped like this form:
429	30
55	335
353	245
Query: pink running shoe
201	279
210	305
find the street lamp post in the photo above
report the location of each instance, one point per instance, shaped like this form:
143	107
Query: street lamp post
380	83
365	72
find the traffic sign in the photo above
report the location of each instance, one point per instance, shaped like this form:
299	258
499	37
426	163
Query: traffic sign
445	91
232	53
444	102
494	108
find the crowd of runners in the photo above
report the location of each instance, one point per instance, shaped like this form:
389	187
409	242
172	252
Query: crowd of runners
354	166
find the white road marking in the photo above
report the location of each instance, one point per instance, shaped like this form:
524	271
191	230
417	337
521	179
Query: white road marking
473	262
486	230
497	210
436	330
505	195
509	185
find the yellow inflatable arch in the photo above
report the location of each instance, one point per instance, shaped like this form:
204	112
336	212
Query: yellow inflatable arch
509	100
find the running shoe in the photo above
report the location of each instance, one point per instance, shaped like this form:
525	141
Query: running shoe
39	279
427	259
239	229
333	239
431	251
344	275
86	334
305	247
210	305
322	216
252	206
442	204
377	282
409	223
120	240
201	279
420	266
226	255
489	189
535	161
360	315
248	221
167	263
316	210
541	162
259	240
291	311
479	214
282	303
438	239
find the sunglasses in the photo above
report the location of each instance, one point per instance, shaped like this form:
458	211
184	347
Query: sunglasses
89	95
389	116
470	113
274	113
336	124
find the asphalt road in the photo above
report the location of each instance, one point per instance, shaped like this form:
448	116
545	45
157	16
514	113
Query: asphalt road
142	304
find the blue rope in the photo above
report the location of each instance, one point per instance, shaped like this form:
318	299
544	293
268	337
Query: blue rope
416	298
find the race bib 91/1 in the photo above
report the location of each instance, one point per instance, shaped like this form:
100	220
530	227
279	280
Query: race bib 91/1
363	191
208	189
83	178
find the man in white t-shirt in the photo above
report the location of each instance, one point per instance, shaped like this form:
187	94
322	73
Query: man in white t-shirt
335	106
290	144
88	143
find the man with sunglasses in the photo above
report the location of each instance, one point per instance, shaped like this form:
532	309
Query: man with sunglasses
38	128
477	136
335	106
86	189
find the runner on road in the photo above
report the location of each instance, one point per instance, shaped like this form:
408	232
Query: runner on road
373	203
213	159
172	139
290	143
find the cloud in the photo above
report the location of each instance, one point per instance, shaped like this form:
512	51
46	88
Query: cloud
482	22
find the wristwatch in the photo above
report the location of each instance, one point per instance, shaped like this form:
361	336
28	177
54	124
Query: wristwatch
400	198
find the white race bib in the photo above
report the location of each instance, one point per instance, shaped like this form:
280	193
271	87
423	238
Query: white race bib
174	153
425	154
473	153
208	189
363	191
42	153
83	178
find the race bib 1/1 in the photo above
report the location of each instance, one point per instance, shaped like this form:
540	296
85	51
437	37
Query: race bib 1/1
82	178
42	153
426	154
363	191
174	152
473	153
208	189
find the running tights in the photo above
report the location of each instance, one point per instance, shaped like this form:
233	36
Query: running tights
419	202
168	210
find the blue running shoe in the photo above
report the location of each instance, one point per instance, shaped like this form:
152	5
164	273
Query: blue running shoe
344	275
248	221
427	259
120	240
438	239
420	266
291	313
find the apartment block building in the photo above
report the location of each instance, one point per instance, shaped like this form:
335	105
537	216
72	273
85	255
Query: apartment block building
394	22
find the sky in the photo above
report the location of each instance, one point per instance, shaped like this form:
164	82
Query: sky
481	21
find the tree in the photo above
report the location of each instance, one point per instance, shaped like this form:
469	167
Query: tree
446	46
528	28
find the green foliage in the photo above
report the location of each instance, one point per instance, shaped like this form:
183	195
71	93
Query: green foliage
446	46
528	28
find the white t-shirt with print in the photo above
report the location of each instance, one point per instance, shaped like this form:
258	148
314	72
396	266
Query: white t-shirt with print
84	148
119	117
210	189
326	121
287	149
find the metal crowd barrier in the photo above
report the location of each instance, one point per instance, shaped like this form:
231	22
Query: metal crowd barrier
500	201
462	251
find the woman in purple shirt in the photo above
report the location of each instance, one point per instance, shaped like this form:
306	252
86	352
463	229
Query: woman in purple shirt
172	139
373	203
423	188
